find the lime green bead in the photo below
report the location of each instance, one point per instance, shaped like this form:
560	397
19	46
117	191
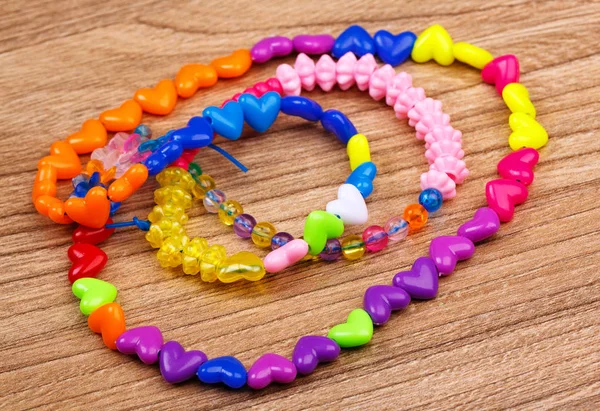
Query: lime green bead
93	293
353	247
356	331
321	226
262	233
229	210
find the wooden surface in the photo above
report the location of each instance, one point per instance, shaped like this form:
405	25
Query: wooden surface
516	326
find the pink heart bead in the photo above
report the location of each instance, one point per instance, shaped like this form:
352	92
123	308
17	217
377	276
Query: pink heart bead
285	256
503	195
440	181
289	79
345	70
407	100
518	165
305	67
379	81
399	84
325	72
365	66
271	368
446	251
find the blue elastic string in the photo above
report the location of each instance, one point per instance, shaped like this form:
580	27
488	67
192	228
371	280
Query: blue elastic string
143	225
229	157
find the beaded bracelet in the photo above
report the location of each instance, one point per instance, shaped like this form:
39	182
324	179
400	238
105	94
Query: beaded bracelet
421	282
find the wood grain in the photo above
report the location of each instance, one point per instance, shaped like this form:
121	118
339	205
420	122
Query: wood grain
516	327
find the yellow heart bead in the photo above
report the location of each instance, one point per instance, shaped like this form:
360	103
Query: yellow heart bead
434	43
527	132
243	265
358	150
516	97
472	55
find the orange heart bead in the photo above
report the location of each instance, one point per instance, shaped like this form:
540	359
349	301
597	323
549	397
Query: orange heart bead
108	320
125	118
91	136
92	210
234	65
45	181
191	77
128	183
64	158
53	208
159	100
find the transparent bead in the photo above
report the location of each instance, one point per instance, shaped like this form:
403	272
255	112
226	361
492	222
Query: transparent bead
192	254
195	170
213	199
431	199
211	261
229	210
170	211
262	233
243	225
396	228
144	131
332	250
170	252
375	238
280	239
173	195
415	215
176	176
204	184
353	247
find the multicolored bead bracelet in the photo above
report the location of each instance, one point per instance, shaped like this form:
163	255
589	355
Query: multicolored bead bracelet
421	282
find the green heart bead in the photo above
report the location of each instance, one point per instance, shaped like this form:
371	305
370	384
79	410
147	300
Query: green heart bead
321	226
356	331
93	293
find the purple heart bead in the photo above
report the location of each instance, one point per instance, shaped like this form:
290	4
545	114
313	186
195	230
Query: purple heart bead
421	282
177	364
317	44
310	350
483	225
446	251
146	342
271	368
270	47
380	300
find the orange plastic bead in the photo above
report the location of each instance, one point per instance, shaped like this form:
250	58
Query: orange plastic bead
45	182
108	320
159	100
92	210
53	208
123	187
415	215
94	166
64	158
234	65
125	118
91	136
191	77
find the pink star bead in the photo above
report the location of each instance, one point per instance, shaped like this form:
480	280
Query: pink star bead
455	169
444	148
399	84
429	122
440	181
422	108
345	70
305	67
379	81
440	133
325	72
289	79
365	66
407	100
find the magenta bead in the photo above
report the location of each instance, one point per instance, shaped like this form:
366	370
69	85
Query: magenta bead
375	238
332	250
280	239
313	44
243	225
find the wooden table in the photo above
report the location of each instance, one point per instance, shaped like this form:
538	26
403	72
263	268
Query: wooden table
518	325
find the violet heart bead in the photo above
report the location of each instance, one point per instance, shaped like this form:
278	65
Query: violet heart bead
270	47
380	300
421	281
484	224
146	342
446	251
177	364
271	368
313	44
311	350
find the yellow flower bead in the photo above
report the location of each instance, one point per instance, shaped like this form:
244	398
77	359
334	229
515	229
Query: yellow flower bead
192	254
211	261
262	233
173	195
205	184
169	211
163	229
353	247
170	252
176	176
229	210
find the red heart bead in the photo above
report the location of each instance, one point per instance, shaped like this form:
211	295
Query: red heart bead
88	260
518	165
501	71
83	234
502	196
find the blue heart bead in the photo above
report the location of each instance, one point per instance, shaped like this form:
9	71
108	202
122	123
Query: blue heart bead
161	158
394	50
197	134
260	113
337	123
354	39
227	121
228	370
301	107
362	178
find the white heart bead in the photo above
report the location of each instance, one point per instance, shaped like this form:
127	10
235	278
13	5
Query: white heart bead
350	205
